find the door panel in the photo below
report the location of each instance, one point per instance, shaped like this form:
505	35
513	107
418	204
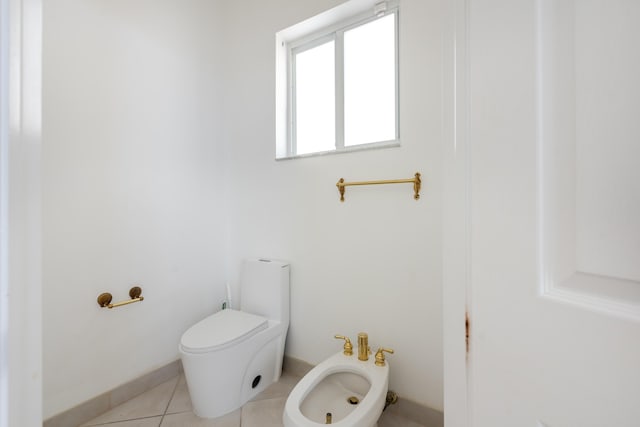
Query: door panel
554	208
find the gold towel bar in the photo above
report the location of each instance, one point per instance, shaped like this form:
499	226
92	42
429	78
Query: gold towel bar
104	300
417	183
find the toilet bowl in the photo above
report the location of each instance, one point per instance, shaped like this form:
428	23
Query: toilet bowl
231	356
353	392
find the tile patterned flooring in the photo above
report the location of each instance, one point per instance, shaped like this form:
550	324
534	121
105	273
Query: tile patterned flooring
169	405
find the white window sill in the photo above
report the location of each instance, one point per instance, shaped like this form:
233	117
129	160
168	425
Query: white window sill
352	149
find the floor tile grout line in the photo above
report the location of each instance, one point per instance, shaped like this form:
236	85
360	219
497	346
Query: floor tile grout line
123	421
178	412
170	399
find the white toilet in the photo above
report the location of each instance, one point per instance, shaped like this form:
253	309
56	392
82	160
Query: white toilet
232	355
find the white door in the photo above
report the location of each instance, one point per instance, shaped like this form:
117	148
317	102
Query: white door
547	153
20	214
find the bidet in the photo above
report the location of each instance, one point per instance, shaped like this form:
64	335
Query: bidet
351	392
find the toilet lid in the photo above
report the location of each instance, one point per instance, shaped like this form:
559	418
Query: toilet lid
221	329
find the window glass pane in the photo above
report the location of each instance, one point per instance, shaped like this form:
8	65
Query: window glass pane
370	82
315	99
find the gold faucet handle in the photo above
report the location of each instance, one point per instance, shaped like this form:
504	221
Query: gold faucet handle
380	355
348	347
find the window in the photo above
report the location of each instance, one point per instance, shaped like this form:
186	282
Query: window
341	84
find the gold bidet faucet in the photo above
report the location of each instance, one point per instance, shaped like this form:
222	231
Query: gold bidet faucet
380	355
348	347
363	347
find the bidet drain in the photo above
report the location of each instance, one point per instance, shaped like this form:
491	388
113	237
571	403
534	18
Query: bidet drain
353	400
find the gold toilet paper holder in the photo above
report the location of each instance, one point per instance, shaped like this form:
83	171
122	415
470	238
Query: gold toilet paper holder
104	299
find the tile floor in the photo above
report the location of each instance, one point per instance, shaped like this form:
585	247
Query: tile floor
169	405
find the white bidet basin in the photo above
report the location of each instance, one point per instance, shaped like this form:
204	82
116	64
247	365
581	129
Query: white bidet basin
342	391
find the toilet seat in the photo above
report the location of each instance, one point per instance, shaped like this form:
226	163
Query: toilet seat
220	330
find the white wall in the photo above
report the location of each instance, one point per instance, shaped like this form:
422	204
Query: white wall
374	262
133	194
159	170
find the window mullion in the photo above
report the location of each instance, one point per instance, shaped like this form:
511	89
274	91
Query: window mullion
293	144
339	83
396	35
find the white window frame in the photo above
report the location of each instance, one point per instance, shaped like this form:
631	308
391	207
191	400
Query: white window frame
289	47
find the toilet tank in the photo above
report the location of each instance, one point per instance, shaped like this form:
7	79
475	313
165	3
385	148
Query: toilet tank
264	288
